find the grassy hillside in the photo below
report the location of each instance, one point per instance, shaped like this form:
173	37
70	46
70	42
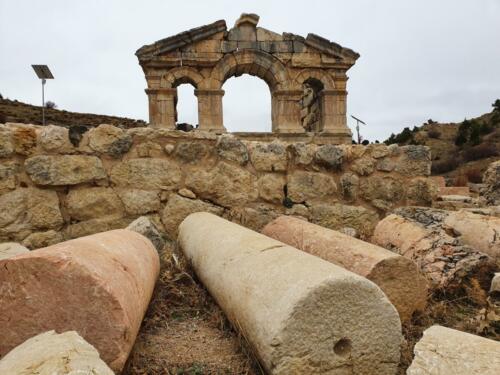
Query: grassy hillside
460	150
15	111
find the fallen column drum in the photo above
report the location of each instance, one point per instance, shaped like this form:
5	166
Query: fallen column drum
397	276
98	286
301	314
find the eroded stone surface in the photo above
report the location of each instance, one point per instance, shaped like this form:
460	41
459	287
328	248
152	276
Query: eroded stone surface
491	179
270	157
306	305
145	173
337	216
50	353
10	249
303	185
64	169
109	140
231	148
140	202
93	203
445	351
178	208
398	277
149	230
98	286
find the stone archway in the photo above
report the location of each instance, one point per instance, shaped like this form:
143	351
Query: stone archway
208	55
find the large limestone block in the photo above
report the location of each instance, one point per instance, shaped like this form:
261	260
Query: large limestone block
478	231
445	351
301	314
26	209
303	186
64	169
109	140
10	249
146	173
98	286
50	353
93	202
397	276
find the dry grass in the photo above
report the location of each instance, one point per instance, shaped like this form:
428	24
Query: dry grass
184	332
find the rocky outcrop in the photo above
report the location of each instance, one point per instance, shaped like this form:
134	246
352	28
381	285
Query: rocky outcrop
445	351
50	353
98	286
397	276
305	315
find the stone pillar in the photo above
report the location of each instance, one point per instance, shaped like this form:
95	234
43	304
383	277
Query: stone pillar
162	107
301	314
210	110
333	112
286	111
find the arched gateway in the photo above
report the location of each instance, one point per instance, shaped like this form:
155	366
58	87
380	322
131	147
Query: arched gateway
306	76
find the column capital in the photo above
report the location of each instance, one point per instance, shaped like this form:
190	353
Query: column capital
333	92
209	92
165	91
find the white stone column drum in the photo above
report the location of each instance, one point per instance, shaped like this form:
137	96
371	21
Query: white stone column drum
301	314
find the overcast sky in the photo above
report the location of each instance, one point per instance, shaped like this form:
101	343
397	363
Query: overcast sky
419	59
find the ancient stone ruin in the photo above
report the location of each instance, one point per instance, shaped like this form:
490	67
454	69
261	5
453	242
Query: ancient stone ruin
306	76
105	232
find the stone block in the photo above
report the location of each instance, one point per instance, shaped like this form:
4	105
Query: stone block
140	202
446	351
146	173
109	140
11	249
53	170
50	353
54	138
270	157
303	186
93	203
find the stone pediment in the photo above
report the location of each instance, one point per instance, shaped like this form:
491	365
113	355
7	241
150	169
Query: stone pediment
244	35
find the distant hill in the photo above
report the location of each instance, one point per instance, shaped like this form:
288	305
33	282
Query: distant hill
15	111
460	150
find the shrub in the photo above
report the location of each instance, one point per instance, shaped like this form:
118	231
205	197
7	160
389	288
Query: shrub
481	151
366	142
496	105
433	133
443	166
50	105
3	118
474	175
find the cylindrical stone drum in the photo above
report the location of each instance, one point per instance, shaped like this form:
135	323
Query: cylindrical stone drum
301	314
397	276
98	286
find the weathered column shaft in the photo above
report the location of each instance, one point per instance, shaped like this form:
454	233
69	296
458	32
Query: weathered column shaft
98	286
162	107
301	314
333	111
210	115
286	111
397	276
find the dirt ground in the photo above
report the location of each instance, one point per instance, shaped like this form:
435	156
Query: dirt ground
184	332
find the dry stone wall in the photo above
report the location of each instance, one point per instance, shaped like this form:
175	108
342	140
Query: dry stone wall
54	188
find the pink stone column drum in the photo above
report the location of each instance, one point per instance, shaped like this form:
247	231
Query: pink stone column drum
397	276
98	286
